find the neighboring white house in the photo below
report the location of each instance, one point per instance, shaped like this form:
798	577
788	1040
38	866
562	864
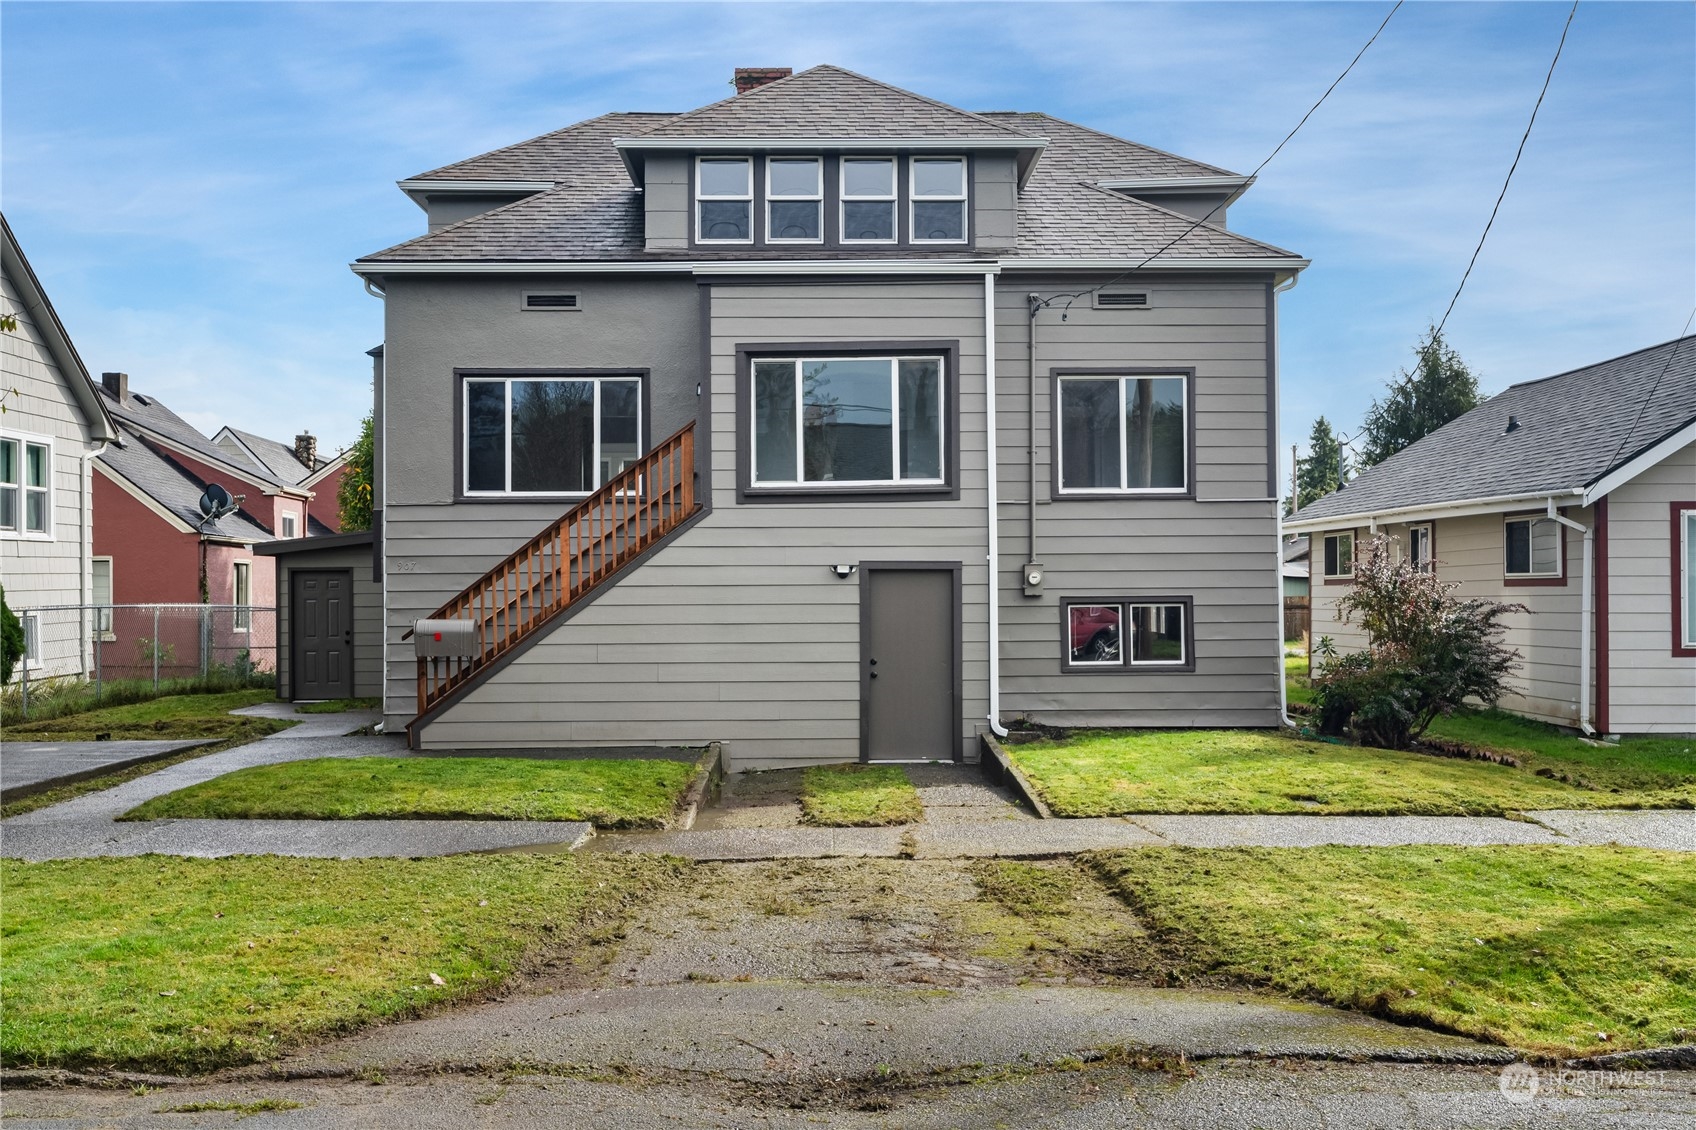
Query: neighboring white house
1574	495
53	424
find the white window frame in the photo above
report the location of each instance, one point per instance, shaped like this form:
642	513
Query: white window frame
1127	642
508	382
242	577
799	483
31	624
748	197
103	609
1531	557
1324	556
1095	664
26	440
1425	564
816	198
289	524
1124	440
893	199
1687	565
913	199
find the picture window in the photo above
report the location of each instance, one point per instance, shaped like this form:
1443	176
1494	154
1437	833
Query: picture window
861	421
1124	434
549	435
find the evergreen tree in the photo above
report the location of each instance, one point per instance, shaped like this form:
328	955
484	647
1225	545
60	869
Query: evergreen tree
1439	389
11	639
354	495
1325	468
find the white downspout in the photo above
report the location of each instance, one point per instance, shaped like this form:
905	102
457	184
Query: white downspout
1278	526
85	570
1585	614
994	509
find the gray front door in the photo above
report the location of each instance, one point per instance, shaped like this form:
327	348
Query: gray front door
909	663
321	633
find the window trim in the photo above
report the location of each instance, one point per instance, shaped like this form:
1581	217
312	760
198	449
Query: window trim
697	196
30	622
288	525
1338	578
1430	528
1556	579
1086	494
843	200
241	618
26	440
1682	558
104	620
747	491
1126	665
461	441
964	199
817	199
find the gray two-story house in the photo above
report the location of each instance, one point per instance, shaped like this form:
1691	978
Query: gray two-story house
830	422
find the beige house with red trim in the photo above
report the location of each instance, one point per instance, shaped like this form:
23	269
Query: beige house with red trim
1574	495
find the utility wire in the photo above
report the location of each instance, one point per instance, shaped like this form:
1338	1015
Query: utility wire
1526	136
1276	150
1654	388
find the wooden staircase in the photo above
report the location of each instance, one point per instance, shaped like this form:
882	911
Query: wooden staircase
555	570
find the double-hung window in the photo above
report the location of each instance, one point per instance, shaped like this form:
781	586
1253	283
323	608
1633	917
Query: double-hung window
1684	576
26	491
1123	434
868	200
1419	548
847	421
938	205
242	597
549	435
724	200
102	571
794	200
1339	556
1115	635
1531	548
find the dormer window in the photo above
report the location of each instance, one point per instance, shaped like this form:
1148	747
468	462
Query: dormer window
868	200
794	200
724	199
939	199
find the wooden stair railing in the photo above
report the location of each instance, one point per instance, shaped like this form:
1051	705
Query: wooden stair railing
571	557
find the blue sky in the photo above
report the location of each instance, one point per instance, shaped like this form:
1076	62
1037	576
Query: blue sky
191	180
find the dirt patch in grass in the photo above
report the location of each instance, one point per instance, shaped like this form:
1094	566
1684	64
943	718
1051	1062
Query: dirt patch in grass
1544	949
859	796
1658	772
185	965
630	793
174	716
1105	773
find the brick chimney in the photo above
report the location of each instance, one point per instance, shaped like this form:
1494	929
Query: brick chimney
306	450
118	385
747	78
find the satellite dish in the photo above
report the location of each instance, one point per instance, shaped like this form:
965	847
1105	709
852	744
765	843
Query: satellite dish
216	501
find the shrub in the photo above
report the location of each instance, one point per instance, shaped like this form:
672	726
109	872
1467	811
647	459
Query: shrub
1427	652
11	640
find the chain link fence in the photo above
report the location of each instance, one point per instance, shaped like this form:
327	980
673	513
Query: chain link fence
157	645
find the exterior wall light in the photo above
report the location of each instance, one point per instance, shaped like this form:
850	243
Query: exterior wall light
843	572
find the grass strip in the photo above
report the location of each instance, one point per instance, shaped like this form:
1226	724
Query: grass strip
74	789
337	705
172	965
629	793
858	796
1104	773
1558	951
257	1106
1665	768
173	716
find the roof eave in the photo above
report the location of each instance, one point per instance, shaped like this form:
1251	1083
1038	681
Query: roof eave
1632	466
1456	508
418	188
366	269
632	149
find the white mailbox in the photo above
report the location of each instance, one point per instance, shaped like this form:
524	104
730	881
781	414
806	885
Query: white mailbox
445	637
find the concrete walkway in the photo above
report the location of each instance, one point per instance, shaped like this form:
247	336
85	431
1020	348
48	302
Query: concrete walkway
29	767
88	825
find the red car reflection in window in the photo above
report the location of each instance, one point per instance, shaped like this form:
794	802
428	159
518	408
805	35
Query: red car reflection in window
1095	632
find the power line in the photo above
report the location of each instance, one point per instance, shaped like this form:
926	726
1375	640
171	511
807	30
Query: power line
1276	150
1526	136
1654	388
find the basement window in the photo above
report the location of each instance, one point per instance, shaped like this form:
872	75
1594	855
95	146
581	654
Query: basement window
563	435
1127	634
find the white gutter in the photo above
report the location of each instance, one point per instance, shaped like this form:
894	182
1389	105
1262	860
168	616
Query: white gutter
85	538
1458	509
474	186
993	508
1159	263
1585	614
1278	529
1174	184
813	266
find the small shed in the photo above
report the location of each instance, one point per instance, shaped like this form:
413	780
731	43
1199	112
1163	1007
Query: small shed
329	617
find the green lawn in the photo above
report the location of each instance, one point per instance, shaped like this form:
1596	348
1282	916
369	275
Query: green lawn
858	796
1539	948
1296	687
174	716
338	705
612	794
171	965
1105	773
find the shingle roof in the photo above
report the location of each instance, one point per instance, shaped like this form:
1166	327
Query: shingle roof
581	151
827	101
146	414
276	458
1573	429
173	488
1079	153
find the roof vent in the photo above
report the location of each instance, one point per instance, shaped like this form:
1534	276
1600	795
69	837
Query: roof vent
749	78
1513	425
549	300
141	400
1121	299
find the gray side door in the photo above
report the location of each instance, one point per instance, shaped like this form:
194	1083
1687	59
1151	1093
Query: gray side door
321	633
910	661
